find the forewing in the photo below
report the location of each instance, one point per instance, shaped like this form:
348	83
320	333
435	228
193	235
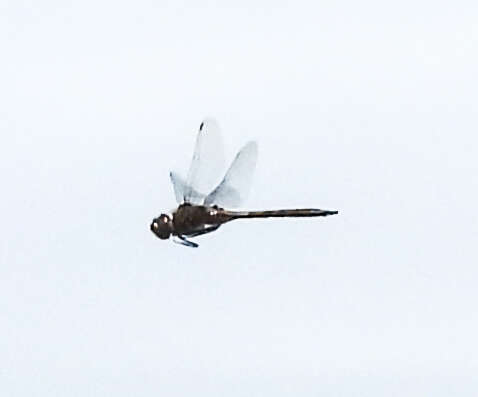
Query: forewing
207	163
234	188
180	188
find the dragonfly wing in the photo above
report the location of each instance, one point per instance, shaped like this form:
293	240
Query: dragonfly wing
207	163
235	186
180	188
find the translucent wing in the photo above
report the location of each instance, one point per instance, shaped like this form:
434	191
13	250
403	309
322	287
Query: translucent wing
207	163
180	187
234	188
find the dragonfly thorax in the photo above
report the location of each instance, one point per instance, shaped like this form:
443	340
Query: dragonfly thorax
162	226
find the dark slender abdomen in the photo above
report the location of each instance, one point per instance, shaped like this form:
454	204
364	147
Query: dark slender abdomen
303	212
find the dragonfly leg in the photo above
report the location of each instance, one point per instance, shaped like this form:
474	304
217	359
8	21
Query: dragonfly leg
183	241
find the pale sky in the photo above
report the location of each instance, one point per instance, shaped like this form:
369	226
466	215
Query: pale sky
367	108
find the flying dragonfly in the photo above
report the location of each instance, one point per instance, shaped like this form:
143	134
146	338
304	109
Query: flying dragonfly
202	207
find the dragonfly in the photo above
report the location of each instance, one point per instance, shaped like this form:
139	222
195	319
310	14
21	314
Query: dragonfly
205	205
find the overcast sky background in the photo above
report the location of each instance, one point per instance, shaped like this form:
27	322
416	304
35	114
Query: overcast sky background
366	107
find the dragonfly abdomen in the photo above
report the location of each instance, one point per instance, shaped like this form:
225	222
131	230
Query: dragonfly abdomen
287	213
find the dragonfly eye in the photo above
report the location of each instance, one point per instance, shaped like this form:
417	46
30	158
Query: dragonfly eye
161	227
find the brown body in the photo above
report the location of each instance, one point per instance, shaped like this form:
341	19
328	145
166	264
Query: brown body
193	220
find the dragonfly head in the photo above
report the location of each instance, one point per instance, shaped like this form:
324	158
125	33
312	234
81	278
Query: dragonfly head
162	226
